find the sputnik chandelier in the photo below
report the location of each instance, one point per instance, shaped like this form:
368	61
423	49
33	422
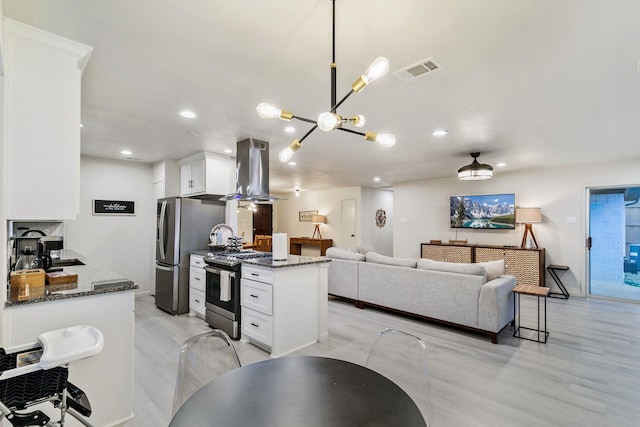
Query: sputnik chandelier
331	120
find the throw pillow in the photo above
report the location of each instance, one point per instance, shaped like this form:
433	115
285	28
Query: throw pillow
452	267
365	249
494	269
383	259
338	253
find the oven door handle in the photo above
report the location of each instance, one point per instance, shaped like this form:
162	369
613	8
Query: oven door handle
218	271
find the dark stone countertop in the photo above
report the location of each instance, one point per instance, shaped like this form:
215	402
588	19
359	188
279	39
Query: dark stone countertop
92	280
292	261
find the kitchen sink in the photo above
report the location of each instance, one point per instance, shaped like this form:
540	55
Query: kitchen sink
66	262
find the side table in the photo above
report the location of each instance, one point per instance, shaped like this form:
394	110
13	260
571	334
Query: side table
537	291
552	269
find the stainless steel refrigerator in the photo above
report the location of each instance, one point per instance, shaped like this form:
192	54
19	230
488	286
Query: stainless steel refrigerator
183	226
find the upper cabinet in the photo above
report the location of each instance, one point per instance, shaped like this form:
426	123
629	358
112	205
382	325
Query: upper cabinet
206	173
42	123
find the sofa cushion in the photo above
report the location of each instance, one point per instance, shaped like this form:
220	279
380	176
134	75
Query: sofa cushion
383	259
494	269
365	249
452	267
344	254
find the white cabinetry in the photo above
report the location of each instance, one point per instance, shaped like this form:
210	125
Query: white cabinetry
197	280
205	173
42	123
280	307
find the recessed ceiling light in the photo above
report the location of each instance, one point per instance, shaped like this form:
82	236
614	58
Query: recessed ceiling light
188	114
228	150
501	165
439	132
126	153
376	179
289	129
292	163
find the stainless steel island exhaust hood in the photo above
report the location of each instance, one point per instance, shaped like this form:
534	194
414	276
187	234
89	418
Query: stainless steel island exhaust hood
252	172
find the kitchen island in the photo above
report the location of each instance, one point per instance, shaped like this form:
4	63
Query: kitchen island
102	299
284	303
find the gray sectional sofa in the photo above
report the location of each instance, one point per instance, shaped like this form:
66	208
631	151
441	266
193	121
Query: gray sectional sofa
474	296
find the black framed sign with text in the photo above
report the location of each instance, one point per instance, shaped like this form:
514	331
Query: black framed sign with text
114	207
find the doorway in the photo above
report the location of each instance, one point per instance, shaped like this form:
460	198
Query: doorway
263	220
614	242
348	222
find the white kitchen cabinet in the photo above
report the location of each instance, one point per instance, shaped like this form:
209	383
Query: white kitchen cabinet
197	280
205	173
280	307
42	123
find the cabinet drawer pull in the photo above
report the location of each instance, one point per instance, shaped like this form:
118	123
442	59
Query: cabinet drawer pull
254	296
255	274
197	278
255	325
197	300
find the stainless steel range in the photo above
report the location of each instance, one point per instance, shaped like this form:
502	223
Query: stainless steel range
222	291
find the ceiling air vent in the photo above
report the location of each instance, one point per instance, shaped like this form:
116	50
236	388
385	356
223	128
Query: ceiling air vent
416	70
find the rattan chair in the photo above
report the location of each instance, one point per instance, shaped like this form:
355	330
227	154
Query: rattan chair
203	358
402	358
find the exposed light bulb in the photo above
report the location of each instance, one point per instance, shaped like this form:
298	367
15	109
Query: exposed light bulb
359	121
328	121
384	139
378	68
268	111
286	155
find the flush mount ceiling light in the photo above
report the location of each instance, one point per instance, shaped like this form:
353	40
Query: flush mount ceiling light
331	120
188	114
475	171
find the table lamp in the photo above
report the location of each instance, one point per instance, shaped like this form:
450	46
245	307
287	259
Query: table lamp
317	220
528	216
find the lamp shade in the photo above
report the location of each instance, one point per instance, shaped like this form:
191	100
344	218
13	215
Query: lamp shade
318	219
528	215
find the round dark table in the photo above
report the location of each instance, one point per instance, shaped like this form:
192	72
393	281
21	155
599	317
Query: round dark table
300	391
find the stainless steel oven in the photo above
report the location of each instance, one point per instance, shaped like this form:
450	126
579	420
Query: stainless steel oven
223	313
222	303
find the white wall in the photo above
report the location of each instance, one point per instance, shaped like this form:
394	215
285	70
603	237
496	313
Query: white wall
326	202
422	211
124	244
381	238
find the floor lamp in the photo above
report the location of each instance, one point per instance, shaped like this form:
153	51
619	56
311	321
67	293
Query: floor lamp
528	216
317	220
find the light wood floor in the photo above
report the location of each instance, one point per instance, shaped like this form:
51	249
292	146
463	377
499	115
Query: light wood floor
588	373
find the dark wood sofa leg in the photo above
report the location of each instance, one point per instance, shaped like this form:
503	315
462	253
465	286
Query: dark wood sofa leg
494	337
358	304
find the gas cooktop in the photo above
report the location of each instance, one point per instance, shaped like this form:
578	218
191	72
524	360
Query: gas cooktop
232	258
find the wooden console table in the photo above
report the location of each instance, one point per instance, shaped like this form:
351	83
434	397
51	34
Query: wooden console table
295	244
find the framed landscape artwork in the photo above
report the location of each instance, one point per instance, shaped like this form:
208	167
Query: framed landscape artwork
486	212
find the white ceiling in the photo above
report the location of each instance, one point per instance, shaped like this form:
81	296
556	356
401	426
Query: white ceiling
528	83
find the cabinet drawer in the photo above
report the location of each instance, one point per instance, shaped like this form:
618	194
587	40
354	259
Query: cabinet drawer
196	261
256	296
258	274
196	301
258	326
197	278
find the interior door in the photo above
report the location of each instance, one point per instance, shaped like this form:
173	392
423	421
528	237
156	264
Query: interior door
348	217
263	219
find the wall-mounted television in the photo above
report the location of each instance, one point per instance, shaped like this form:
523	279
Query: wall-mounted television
486	212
